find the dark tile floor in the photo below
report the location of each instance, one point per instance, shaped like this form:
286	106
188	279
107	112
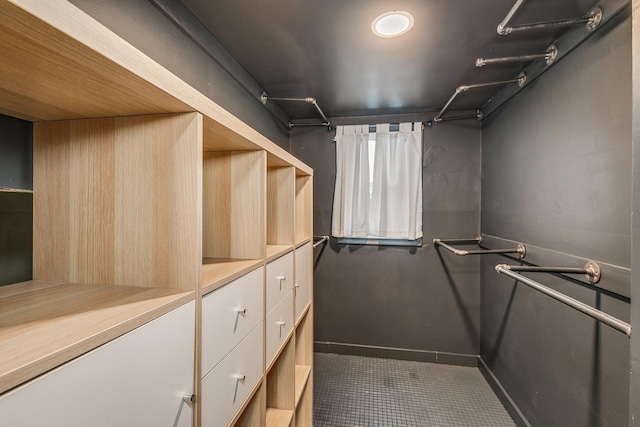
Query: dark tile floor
353	391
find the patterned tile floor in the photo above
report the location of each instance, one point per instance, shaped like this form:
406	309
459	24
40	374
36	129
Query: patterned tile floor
353	391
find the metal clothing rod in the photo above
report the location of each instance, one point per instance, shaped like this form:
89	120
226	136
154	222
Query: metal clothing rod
264	98
522	78
592	21
473	241
591	270
462	252
478	116
321	240
599	315
549	56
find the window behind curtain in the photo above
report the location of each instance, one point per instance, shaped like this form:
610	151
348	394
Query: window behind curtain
378	193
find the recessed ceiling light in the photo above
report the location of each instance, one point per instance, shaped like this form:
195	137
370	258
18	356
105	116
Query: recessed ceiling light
392	24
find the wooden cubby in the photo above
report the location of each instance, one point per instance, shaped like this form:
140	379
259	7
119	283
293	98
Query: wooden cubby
280	210
147	196
281	388
304	208
304	370
234	219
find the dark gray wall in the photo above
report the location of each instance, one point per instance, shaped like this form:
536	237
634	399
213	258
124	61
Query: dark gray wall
401	298
556	176
16	210
144	26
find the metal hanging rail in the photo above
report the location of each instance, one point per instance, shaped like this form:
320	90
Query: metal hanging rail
478	115
592	20
521	80
318	240
549	57
264	98
615	323
445	243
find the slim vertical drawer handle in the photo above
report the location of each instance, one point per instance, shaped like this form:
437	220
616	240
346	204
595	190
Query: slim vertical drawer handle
281	323
239	377
281	279
241	310
188	397
297	285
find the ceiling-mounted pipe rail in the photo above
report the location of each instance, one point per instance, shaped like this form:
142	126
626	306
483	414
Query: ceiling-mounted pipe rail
549	57
478	115
607	319
569	41
522	78
592	20
445	243
264	98
318	240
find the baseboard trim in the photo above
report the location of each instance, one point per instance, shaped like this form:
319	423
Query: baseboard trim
508	403
397	353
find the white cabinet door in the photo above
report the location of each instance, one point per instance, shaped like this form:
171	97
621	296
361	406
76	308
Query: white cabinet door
229	314
279	280
278	326
137	379
303	278
227	386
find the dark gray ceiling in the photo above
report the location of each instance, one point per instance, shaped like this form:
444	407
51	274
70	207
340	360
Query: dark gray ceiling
325	49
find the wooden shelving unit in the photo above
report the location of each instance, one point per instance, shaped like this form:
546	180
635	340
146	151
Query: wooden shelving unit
148	197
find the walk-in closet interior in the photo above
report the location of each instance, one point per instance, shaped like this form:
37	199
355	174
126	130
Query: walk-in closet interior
181	213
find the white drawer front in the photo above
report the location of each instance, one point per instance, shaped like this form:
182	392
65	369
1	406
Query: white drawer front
224	390
303	279
279	324
279	279
137	379
228	315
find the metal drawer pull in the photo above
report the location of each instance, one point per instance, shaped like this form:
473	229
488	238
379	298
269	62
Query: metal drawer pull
281	279
297	285
239	377
241	310
281	323
188	398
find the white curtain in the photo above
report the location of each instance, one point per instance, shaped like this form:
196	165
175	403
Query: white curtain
396	201
351	197
392	208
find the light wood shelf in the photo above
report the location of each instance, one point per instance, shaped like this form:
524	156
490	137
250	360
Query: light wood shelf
279	417
281	379
147	195
302	377
276	251
254	413
15	190
102	192
234	201
81	69
304	407
280	205
304	208
45	324
304	339
217	272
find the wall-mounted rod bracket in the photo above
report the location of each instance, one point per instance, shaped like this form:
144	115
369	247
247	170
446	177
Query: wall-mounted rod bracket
617	324
520	80
264	98
318	240
445	243
592	21
549	58
591	270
